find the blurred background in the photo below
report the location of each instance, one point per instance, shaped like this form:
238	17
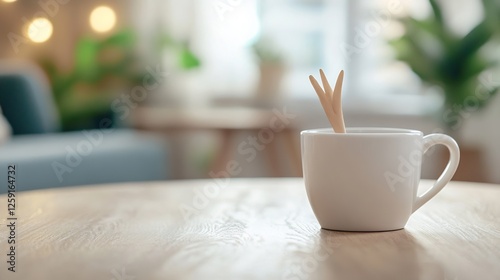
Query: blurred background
105	91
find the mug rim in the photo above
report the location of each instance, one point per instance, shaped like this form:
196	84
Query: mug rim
352	131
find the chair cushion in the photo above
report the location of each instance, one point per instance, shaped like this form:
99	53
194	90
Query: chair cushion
83	157
5	129
26	98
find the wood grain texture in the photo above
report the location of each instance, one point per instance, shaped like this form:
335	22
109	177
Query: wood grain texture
163	118
251	229
228	122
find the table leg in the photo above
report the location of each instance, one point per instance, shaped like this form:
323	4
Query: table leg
273	157
176	155
223	153
293	152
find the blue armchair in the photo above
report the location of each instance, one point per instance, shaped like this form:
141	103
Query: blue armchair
45	157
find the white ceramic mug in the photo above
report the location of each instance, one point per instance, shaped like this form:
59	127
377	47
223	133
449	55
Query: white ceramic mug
367	178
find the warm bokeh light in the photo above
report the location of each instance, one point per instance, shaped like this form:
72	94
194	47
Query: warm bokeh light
9	1
102	19
39	30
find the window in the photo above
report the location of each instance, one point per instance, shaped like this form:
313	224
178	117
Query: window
309	34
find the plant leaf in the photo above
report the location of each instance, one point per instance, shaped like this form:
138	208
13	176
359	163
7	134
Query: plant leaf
473	41
86	57
124	39
188	60
436	10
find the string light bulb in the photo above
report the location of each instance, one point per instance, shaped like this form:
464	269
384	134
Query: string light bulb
102	19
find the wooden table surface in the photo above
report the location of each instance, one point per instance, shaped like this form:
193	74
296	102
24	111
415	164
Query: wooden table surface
161	118
251	229
229	123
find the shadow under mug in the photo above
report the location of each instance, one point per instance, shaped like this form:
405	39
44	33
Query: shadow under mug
367	178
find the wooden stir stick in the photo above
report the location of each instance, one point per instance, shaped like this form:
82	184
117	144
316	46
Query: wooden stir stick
331	100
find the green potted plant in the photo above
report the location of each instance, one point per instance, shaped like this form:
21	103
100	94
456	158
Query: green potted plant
449	61
271	69
102	68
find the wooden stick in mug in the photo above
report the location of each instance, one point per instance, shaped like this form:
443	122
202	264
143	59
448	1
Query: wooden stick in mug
326	85
335	99
337	102
325	103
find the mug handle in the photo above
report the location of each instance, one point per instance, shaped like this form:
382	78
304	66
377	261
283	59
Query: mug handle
429	141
